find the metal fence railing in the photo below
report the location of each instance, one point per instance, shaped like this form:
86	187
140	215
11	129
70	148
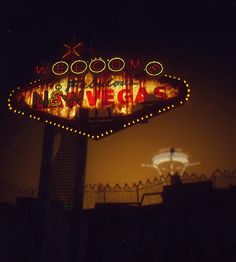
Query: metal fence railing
133	194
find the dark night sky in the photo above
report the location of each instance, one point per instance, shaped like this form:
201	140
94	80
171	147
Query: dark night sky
193	40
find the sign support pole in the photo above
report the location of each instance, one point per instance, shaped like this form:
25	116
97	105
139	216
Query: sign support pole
78	197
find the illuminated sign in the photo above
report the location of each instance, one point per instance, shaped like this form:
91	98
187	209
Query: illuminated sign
115	93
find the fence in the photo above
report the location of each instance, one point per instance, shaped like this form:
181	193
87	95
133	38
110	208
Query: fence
134	194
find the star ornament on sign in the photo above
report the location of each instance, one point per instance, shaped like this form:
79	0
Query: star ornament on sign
73	49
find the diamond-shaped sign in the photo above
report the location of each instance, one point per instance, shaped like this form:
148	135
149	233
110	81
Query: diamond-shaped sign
98	97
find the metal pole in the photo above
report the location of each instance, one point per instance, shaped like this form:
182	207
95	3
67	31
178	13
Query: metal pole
172	150
38	246
78	198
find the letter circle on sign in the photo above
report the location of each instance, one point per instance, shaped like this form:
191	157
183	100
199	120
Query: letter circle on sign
154	68
77	65
116	64
59	67
97	65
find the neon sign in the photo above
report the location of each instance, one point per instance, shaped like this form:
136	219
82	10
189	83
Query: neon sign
116	93
99	65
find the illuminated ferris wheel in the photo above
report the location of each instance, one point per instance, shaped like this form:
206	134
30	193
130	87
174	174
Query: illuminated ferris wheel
170	161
